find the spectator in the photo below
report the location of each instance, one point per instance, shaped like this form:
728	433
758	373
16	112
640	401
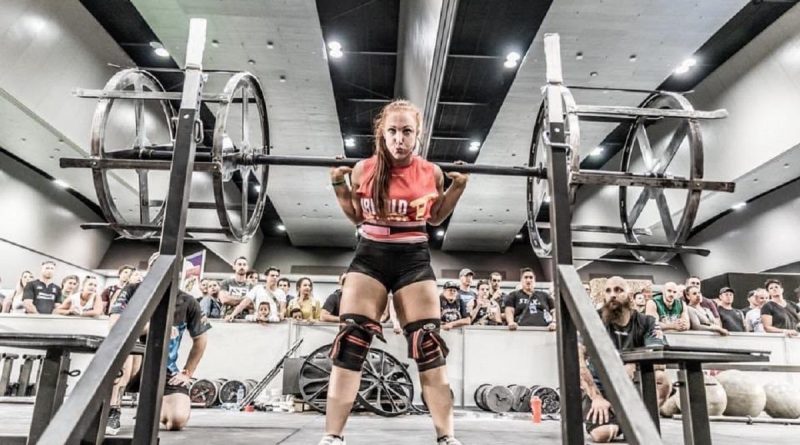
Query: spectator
268	292
295	314
69	285
285	285
465	293
252	278
330	310
390	316
700	318
777	314
305	300
668	309
704	302
639	302
110	292
757	298
136	277
210	304
454	310
527	307
85	303
41	296
203	288
497	295
484	310
264	314
233	290
627	329
13	302
732	319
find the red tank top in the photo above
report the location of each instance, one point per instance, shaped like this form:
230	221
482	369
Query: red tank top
412	192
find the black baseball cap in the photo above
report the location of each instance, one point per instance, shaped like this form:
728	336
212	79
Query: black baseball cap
726	289
450	285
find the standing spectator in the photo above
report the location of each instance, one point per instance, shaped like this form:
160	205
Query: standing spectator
252	278
778	315
286	286
495	292
757	298
85	303
69	285
260	293
484	310
454	310
639	302
527	307
111	292
668	309
465	293
732	319
136	277
210	304
233	290
13	302
203	288
700	318
305	301
330	309
704	302
41	296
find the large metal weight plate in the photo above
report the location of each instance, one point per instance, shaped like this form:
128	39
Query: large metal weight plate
538	192
653	148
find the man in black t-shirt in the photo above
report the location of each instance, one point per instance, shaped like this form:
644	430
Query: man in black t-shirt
454	311
41	296
627	329
330	310
527	307
779	315
732	319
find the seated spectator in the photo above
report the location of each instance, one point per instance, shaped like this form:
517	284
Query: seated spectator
86	303
264	314
700	318
330	309
668	309
285	285
732	319
111	292
454	311
777	314
526	307
305	301
13	302
757	298
41	296
210	304
639	302
484	310
69	285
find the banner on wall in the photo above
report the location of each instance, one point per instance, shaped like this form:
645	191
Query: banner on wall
193	266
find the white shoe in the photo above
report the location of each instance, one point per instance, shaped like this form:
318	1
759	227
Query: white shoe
330	439
447	440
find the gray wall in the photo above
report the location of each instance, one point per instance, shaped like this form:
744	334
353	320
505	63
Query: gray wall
659	274
41	217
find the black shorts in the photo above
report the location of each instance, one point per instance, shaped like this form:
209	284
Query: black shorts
133	386
394	265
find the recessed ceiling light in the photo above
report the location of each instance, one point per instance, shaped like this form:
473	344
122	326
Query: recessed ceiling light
546	199
685	65
281	227
251	62
513	55
597	151
683	69
440	233
474	146
282	79
349	142
518	236
215	43
593	74
335	49
159	49
738	205
690	62
257	188
632	58
579	56
786	165
60	183
270	45
510	63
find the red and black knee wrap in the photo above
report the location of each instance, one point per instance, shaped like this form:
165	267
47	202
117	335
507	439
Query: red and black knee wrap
425	345
350	346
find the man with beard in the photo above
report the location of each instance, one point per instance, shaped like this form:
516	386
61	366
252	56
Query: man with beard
705	303
627	329
41	296
234	289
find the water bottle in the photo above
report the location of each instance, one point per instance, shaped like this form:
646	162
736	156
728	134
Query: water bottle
536	409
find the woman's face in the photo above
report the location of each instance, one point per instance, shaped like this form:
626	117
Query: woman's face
27	277
69	286
483	291
90	285
305	288
400	134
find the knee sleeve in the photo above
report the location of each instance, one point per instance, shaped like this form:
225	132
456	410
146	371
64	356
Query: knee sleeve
425	345
351	345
